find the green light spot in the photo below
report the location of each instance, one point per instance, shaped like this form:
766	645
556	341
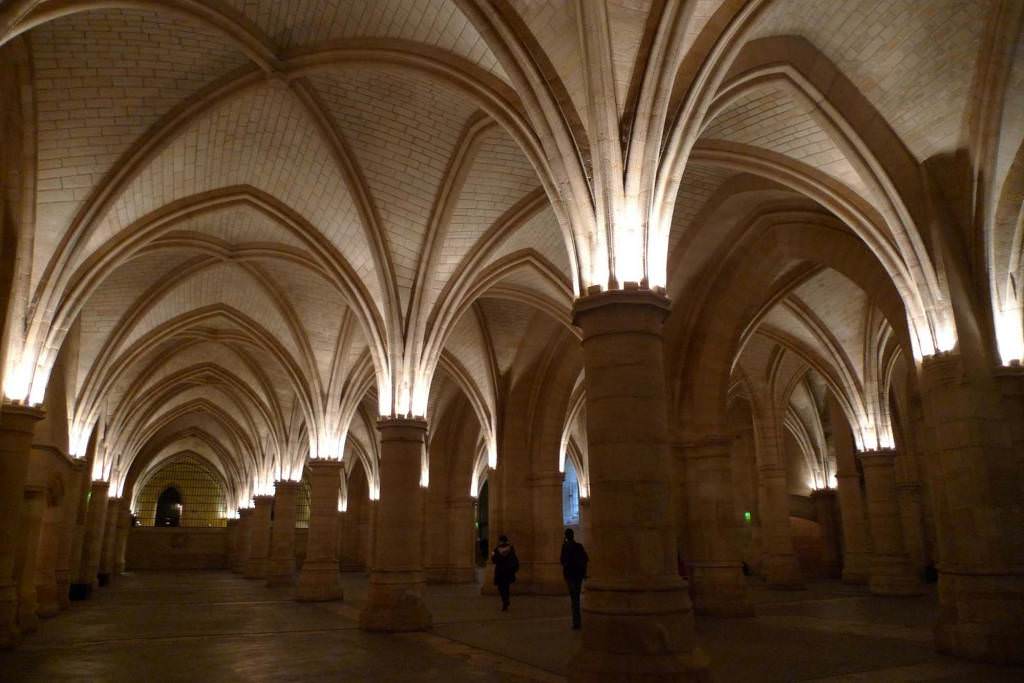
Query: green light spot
746	516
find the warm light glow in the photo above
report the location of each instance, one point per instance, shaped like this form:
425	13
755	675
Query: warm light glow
629	244
1010	336
16	382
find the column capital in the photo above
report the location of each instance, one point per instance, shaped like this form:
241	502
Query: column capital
286	485
394	428
823	494
244	512
17	417
882	457
325	465
621	310
264	498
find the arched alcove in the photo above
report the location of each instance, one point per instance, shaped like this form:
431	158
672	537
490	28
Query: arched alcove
168	508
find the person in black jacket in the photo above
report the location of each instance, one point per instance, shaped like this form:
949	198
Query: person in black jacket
506	564
574	569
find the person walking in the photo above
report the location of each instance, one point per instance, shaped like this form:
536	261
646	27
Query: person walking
574	569
506	564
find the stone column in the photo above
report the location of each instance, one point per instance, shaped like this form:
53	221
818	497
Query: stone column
716	571
461	540
856	541
548	533
17	424
781	568
637	614
244	540
28	553
320	577
891	572
95	525
231	543
908	496
978	477
124	525
584	535
106	572
69	548
281	565
824	501
46	563
395	598
259	538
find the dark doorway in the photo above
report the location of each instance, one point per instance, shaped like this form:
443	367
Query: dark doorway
482	527
168	508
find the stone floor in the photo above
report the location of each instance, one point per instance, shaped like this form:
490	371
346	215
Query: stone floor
208	626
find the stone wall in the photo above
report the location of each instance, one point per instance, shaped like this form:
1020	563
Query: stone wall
185	548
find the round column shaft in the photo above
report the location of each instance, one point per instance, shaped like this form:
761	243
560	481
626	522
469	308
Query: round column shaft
281	565
95	525
395	598
241	558
106	571
891	571
28	555
638	619
259	538
17	426
320	576
719	587
69	548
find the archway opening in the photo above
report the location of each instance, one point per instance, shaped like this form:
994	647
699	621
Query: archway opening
482	526
570	497
168	508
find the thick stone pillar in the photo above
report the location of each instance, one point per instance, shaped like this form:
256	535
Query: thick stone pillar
584	535
781	567
716	571
28	554
17	424
978	479
461	540
825	508
548	533
106	573
231	543
908	496
856	541
124	525
69	549
95	525
281	565
395	598
259	538
46	562
244	540
891	571
320	578
638	616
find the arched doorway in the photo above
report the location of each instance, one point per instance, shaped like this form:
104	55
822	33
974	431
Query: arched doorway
168	508
482	526
571	497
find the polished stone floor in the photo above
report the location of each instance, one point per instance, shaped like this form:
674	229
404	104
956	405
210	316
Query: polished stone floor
214	626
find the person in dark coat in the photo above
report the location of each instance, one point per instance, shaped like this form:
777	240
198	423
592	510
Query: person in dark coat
574	569
506	564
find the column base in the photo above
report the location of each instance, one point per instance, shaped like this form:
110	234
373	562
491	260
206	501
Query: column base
782	572
460	575
395	604
63	592
28	620
981	617
46	596
893	575
9	631
256	569
720	590
281	573
319	582
547	579
79	591
856	570
638	634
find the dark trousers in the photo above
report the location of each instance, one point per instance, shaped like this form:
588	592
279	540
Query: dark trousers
503	591
575	586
